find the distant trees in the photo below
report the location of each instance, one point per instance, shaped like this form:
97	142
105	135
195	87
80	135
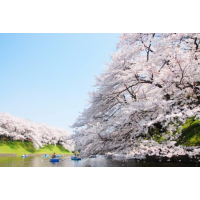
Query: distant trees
152	79
40	135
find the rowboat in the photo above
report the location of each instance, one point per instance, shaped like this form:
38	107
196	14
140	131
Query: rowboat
45	156
24	156
54	159
58	156
75	158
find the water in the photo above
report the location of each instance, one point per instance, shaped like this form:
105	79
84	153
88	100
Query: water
65	161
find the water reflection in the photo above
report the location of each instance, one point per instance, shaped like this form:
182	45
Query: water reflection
65	161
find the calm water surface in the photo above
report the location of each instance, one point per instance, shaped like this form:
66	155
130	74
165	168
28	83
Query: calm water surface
65	161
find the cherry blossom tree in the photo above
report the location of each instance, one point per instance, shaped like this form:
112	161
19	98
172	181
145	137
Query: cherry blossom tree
152	79
40	134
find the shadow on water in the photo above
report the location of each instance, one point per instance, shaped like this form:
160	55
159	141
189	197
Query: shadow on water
65	161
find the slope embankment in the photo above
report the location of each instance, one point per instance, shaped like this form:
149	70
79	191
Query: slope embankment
17	148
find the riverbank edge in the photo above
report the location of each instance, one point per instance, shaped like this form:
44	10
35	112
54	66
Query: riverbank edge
164	159
18	148
29	155
191	155
158	159
151	151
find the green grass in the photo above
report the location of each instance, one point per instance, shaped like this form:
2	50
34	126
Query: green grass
20	148
190	133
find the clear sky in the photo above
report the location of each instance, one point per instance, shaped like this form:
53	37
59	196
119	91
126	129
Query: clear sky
46	77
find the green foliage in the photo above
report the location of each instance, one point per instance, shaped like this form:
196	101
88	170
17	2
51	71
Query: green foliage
190	133
156	135
20	148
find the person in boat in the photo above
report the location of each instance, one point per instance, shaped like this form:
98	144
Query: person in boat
76	154
54	155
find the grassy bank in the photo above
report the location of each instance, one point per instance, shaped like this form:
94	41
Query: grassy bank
20	148
190	133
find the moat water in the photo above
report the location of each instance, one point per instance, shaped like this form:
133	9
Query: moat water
65	161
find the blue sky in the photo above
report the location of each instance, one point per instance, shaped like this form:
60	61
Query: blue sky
46	77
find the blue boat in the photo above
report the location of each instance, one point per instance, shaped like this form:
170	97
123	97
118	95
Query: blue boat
45	156
24	156
75	158
54	160
58	156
